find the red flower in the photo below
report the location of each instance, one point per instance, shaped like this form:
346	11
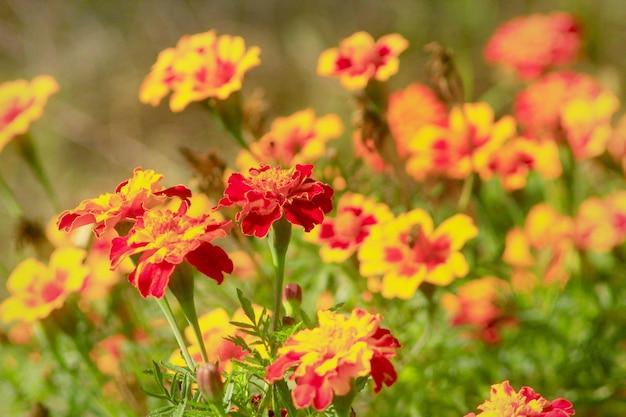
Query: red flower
166	239
267	194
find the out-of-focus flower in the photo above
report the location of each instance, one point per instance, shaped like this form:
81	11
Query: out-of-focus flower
329	357
465	145
479	305
360	59
298	139
600	223
245	266
411	109
518	157
538	108
129	201
408	250
365	149
37	289
164	239
21	103
587	124
201	66
342	235
505	402
616	145
266	194
529	45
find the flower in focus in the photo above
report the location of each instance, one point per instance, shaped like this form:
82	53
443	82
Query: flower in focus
411	109
201	66
360	59
505	402
329	357
37	289
129	201
465	145
21	103
166	238
340	237
529	45
478	304
266	194
408	250
298	139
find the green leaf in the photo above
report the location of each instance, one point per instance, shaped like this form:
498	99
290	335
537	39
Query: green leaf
246	305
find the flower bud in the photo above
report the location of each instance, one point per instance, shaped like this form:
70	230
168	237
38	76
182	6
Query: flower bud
210	382
292	299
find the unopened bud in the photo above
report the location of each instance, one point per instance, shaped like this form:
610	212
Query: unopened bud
210	382
292	299
288	321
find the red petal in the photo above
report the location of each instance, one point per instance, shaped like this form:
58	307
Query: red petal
211	260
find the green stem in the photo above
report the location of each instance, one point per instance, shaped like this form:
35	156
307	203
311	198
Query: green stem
280	237
9	200
466	192
167	311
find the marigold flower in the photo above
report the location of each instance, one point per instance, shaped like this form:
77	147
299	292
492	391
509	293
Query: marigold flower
329	357
529	45
37	289
201	66
340	237
600	223
505	402
165	239
408	250
298	139
21	103
360	59
616	145
129	201
465	145
411	109
266	194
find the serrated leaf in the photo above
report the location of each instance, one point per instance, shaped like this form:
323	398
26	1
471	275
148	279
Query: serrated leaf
246	305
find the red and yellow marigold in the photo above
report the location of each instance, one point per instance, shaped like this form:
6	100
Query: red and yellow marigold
201	66
266	194
21	103
36	289
529	45
409	250
298	139
359	59
327	358
166	238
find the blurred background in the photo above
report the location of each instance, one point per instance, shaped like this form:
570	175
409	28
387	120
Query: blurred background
95	130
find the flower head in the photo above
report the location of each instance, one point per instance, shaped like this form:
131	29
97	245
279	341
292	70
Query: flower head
329	357
408	250
298	139
266	194
505	402
21	103
201	66
342	235
529	45
37	289
360	59
167	238
129	201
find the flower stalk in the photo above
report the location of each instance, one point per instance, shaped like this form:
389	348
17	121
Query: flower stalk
279	243
169	316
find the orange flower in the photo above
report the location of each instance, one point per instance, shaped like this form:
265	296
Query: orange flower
408	250
600	223
329	357
587	124
130	200
37	289
298	139
478	305
465	145
165	239
360	59
538	108
616	145
528	45
267	194
505	402
411	109
201	66
342	235
21	103
518	157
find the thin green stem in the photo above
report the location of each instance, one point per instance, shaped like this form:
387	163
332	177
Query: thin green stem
280	237
9	200
169	316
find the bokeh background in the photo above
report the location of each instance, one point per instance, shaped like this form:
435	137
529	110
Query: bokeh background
95	130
